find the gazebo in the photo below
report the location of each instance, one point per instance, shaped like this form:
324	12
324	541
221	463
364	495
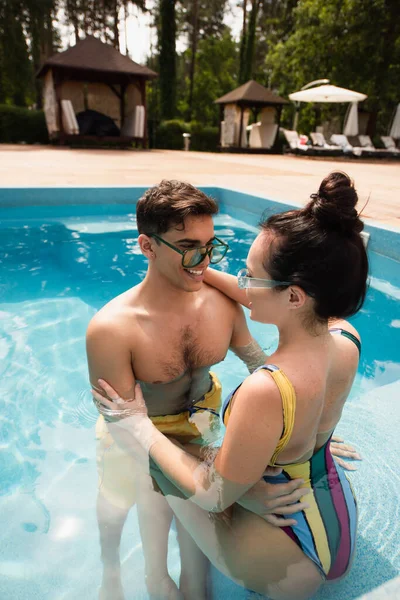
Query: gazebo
94	76
234	116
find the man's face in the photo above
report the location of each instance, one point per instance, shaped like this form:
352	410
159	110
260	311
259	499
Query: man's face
197	231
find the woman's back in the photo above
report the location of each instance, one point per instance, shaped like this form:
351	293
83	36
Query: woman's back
322	376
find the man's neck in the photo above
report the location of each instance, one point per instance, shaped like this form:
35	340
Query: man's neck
157	291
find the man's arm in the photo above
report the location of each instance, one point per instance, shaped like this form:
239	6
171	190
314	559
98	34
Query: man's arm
109	356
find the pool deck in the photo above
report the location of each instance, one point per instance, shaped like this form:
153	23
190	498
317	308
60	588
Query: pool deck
287	178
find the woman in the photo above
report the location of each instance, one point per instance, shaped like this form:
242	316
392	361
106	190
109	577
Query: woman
305	268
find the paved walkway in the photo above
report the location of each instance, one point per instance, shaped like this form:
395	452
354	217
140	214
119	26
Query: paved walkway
276	177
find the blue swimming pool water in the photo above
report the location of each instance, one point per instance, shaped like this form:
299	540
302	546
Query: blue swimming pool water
58	267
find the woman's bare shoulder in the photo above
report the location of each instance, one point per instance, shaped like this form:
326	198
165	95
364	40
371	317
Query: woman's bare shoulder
345	325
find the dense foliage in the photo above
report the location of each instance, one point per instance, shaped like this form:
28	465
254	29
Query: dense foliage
283	44
19	124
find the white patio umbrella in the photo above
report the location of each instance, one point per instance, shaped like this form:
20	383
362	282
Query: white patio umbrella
351	125
395	128
327	93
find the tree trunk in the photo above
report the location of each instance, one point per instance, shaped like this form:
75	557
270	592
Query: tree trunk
125	29
251	41
193	56
167	80
243	43
115	26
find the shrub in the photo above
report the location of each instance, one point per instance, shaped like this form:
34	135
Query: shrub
169	135
22	125
204	138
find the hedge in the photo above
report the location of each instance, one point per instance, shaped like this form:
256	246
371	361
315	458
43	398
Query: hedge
22	125
169	135
204	137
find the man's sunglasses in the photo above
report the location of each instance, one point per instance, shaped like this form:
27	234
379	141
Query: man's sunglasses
192	257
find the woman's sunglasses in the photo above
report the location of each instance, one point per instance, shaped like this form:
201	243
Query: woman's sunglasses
245	281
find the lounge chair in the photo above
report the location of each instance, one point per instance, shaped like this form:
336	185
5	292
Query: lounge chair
366	142
341	140
295	144
319	142
390	144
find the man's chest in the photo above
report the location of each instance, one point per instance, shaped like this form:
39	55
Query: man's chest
168	348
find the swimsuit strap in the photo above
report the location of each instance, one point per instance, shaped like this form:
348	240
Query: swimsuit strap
348	335
288	396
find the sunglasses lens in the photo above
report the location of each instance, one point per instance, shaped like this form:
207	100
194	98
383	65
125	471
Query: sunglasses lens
194	257
218	254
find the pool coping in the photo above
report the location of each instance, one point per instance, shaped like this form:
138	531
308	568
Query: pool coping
383	239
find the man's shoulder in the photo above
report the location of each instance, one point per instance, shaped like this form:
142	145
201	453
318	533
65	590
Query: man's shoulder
219	299
116	316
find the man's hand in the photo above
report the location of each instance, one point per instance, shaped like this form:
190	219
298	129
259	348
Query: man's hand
339	448
268	500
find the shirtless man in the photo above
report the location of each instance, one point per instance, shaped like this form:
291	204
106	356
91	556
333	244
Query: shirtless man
166	333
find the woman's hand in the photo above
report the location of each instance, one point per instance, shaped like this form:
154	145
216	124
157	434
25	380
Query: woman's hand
127	419
275	501
113	407
340	449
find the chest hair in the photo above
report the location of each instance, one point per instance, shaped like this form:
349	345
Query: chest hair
188	354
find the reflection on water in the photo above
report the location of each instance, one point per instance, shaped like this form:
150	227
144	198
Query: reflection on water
54	276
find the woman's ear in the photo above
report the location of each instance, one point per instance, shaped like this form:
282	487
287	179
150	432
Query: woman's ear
297	297
146	244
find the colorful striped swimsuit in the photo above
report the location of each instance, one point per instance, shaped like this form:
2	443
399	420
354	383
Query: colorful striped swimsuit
326	530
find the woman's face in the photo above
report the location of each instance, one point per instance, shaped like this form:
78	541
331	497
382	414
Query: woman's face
266	304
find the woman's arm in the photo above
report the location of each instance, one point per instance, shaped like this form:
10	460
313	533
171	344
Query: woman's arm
227	284
253	431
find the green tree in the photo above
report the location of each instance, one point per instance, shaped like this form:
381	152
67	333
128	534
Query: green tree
91	17
217	60
243	42
39	16
16	75
198	19
251	41
248	40
167	58
193	50
354	43
275	24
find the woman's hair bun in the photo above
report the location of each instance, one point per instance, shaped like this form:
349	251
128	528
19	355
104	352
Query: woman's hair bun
334	206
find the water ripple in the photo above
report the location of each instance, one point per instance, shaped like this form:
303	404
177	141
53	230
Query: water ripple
371	424
84	413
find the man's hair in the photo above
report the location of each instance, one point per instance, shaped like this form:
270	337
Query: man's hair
168	204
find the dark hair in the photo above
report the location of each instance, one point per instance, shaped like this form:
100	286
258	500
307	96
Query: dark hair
168	204
320	249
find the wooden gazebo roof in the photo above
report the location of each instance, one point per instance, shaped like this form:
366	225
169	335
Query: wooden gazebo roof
251	94
92	59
